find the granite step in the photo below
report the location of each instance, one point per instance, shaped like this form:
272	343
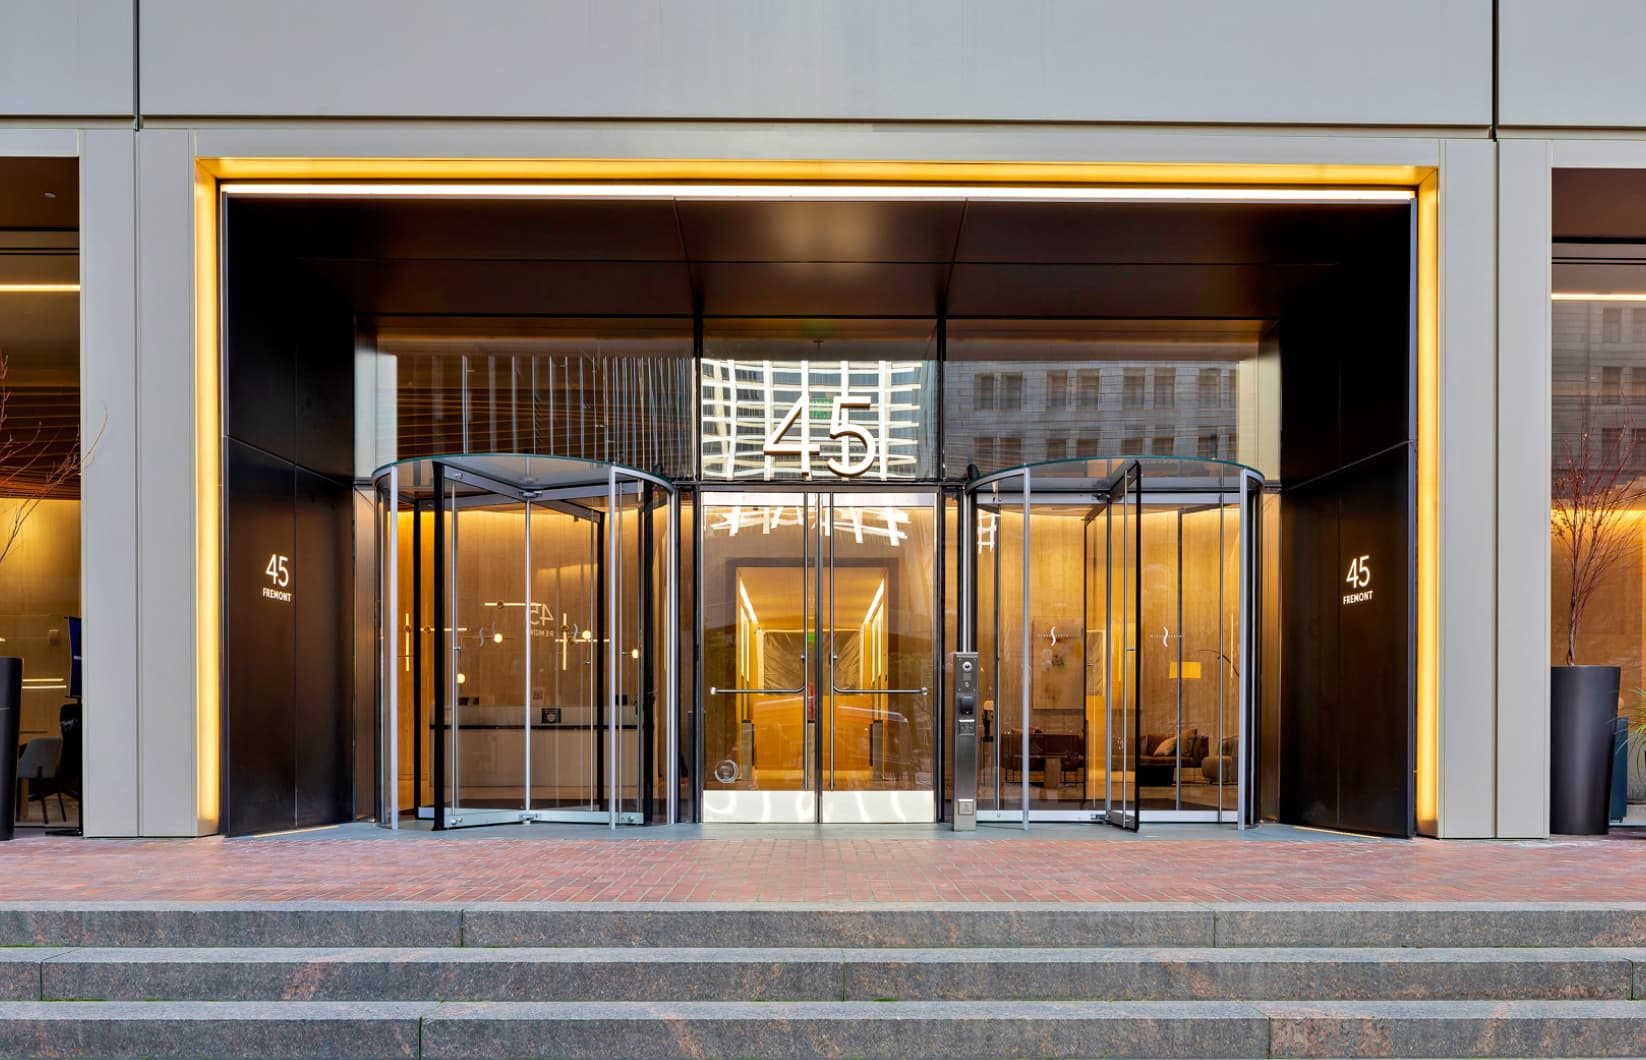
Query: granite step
410	924
833	1028
817	974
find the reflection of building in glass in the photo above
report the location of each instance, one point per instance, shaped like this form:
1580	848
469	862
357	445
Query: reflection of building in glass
1599	378
1062	409
787	418
1599	387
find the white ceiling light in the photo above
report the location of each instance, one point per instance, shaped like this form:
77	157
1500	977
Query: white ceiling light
830	192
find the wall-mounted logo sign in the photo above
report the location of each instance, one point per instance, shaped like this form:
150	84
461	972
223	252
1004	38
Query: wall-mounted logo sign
814	419
1359	581
278	571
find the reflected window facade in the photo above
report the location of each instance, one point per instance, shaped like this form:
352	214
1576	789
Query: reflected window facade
611	389
1091	388
817	399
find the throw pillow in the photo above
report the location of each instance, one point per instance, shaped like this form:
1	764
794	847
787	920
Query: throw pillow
1169	747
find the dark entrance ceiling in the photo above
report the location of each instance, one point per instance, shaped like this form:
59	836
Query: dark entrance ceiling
858	258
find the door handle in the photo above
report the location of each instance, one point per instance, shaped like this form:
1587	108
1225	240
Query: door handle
876	691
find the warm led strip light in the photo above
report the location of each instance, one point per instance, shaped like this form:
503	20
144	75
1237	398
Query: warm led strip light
1574	296
830	192
39	288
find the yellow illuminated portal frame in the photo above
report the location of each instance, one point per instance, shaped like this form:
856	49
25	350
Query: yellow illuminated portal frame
1100	181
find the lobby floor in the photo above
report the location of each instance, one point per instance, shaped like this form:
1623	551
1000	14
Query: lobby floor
1051	863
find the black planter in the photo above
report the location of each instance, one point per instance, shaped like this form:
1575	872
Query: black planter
1582	717
11	709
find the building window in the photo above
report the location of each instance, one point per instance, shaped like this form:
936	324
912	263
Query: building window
1091	389
1010	393
1165	388
983	391
1637	385
1611	325
1057	448
1131	389
1229	388
1057	389
1207	449
1637	455
1163	445
983	452
1088	447
1131	445
1211	388
1611	385
1611	445
1011	450
1637	325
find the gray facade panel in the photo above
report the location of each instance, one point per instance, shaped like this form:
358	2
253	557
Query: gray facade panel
1400	62
66	57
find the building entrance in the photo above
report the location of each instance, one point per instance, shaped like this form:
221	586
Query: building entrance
1114	618
524	666
820	654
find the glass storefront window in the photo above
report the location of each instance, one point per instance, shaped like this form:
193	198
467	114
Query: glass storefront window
1598	426
40	442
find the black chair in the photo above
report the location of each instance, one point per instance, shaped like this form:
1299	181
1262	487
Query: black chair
66	781
38	764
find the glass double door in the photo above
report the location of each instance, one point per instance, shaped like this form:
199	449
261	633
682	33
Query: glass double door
820	651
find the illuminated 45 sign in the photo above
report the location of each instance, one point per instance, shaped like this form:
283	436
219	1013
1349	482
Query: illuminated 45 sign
852	436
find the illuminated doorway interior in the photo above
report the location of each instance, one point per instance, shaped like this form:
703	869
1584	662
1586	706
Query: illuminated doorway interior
819	656
524	666
1115	625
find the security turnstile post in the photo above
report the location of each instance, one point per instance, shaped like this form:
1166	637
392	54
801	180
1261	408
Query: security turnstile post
965	740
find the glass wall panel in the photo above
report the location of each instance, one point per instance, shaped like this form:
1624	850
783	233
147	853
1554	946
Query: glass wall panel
563	613
40	446
818	399
610	389
1020	391
1599	488
1000	616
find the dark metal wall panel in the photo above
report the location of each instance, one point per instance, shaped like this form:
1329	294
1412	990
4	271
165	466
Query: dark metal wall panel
322	709
258	374
288	710
258	671
1347	452
323	385
1375	687
1309	742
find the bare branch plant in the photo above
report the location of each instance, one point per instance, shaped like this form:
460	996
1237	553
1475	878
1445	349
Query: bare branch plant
1595	491
35	465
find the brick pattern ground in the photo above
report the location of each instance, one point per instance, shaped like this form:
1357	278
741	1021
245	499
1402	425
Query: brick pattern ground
434	869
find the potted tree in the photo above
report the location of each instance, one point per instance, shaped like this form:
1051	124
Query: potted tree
36	463
1595	492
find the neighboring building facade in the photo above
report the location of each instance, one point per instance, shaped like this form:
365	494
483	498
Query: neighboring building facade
320	246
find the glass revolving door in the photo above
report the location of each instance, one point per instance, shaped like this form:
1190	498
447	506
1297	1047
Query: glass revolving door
1114	617
523	643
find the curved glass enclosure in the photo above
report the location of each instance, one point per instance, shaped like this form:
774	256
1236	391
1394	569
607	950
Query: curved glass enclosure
1114	611
525	661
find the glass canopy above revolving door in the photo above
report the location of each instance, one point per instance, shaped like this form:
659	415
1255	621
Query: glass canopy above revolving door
1114	611
524	665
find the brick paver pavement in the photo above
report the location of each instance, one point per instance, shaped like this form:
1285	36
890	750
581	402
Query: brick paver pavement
421	867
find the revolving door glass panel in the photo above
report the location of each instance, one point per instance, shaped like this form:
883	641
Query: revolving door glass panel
819	656
1113	603
1056	633
537	591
